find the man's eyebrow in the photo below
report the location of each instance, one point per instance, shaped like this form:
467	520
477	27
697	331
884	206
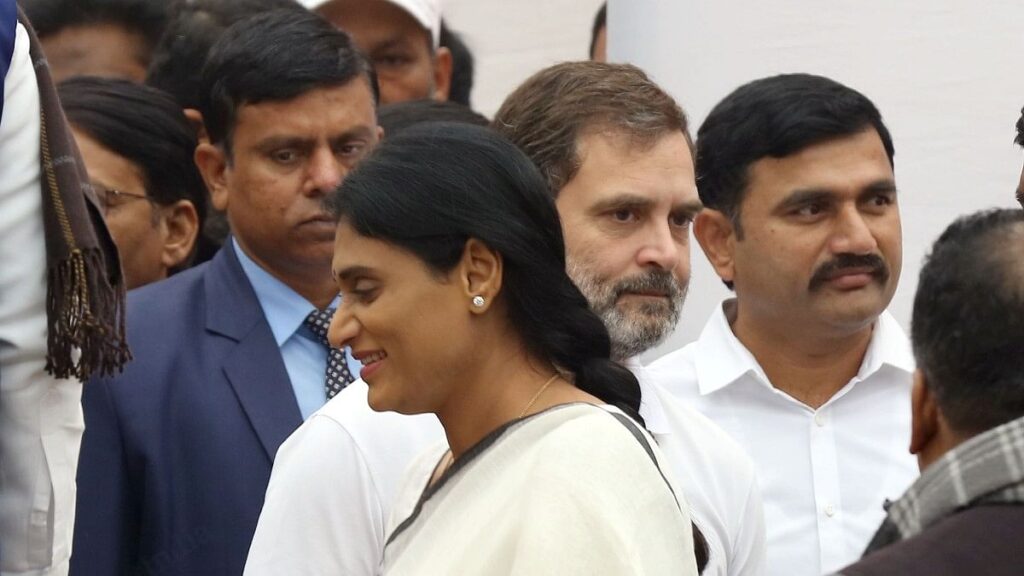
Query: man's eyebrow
276	142
692	207
397	41
353	133
879	187
804	196
622	202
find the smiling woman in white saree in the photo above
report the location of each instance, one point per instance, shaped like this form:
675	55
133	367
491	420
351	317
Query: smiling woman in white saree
451	264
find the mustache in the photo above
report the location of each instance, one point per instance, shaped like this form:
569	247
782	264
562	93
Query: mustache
843	262
653	281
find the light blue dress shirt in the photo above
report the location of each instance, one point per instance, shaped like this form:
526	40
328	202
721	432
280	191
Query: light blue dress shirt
305	358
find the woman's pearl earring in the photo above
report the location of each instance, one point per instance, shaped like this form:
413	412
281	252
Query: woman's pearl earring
478	301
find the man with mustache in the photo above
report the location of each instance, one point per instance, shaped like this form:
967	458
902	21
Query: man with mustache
803	367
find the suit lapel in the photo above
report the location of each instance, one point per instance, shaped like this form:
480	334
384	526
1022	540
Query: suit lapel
254	368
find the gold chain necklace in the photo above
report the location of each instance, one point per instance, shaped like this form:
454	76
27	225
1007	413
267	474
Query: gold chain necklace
537	395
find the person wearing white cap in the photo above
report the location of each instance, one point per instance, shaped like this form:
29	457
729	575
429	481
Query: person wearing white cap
401	39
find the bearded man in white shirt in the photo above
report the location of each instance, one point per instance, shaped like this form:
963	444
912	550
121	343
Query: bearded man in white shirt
804	367
615	150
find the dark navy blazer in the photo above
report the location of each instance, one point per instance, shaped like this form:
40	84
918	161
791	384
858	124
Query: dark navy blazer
178	449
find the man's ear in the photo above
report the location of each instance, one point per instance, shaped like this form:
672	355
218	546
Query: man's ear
924	425
213	165
180	231
716	235
480	274
442	73
195	118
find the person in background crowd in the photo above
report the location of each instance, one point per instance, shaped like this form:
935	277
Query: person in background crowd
61	308
965	514
599	35
113	38
138	148
463	65
1019	140
397	117
192	29
543	471
804	367
615	151
231	356
402	40
340	471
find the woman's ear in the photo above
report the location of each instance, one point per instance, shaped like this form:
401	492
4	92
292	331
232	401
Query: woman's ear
480	275
716	235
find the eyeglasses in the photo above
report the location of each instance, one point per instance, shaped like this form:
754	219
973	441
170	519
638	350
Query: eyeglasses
110	199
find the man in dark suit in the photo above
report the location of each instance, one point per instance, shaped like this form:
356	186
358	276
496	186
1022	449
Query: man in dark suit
228	357
965	514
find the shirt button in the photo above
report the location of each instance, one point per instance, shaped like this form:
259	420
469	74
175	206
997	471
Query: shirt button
830	510
819	419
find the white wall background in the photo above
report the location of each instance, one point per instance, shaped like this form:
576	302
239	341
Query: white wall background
512	39
946	75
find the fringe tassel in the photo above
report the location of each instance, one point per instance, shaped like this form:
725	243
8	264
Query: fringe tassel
80	302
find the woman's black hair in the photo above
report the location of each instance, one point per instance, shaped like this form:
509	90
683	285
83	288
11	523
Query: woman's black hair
433	187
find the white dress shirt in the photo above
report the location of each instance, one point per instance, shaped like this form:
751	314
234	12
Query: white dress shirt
716	476
332	487
40	417
825	473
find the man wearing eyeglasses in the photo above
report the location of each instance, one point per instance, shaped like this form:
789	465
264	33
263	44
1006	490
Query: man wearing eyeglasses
138	146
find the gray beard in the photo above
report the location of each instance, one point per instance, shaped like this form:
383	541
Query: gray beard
637	329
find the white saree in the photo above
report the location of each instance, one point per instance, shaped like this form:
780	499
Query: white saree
571	490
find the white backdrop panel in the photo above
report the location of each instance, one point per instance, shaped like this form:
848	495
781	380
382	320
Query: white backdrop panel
946	75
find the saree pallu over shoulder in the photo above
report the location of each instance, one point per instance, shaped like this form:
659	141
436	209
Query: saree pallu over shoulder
566	491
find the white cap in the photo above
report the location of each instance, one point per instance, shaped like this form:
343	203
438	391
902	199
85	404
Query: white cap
426	12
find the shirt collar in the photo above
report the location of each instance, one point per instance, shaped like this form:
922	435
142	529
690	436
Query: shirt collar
889	347
650	406
284	309
722	359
